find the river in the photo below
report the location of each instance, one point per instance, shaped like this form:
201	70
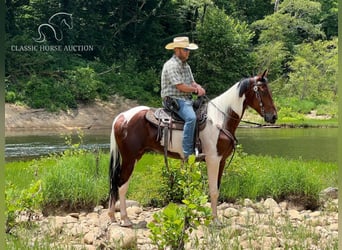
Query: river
292	143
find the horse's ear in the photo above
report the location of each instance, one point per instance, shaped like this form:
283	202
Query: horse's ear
264	74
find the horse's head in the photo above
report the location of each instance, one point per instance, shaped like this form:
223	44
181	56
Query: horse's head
259	97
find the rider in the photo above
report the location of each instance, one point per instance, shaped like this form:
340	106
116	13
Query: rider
178	85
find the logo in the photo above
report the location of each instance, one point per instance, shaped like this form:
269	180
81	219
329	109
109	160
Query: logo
53	30
54	25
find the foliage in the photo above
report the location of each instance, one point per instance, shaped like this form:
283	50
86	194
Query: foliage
247	10
21	201
123	78
293	23
76	179
42	94
228	41
314	71
173	225
83	83
251	177
236	39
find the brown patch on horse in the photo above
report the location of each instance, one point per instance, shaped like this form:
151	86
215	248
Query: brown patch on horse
226	144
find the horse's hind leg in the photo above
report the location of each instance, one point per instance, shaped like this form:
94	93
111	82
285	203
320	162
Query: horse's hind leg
125	221
111	212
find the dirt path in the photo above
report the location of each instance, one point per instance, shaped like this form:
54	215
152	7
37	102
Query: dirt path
98	115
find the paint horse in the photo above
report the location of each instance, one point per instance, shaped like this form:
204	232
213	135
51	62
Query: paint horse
132	135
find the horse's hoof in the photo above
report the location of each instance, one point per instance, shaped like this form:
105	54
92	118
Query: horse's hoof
126	223
216	223
112	217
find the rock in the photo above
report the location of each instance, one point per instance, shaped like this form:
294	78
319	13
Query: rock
329	193
248	203
250	225
120	237
230	212
129	203
294	215
75	215
272	205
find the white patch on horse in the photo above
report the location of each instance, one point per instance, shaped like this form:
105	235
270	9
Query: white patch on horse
219	106
176	144
129	114
208	138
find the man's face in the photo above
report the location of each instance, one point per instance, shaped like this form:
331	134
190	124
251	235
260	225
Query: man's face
182	53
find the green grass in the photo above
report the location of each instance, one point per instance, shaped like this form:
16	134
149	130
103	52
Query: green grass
257	177
319	123
80	180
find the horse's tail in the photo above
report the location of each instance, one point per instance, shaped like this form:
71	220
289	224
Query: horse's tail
114	169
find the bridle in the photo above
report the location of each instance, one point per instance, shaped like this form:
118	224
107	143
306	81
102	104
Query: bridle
256	85
254	81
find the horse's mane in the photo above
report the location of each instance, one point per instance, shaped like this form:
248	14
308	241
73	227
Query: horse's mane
243	85
231	99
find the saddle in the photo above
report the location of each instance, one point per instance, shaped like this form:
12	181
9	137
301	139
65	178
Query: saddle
167	120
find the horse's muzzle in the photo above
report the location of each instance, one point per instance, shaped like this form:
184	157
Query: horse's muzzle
271	117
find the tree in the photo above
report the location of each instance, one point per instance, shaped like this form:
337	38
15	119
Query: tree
314	71
294	22
329	17
245	10
223	57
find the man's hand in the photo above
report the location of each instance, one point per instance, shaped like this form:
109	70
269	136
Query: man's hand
200	90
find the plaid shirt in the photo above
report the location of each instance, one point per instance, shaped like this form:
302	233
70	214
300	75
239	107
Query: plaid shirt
175	72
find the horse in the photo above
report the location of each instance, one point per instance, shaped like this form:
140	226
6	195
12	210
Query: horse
132	135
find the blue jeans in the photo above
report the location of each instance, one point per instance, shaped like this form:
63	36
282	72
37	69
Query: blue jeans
187	113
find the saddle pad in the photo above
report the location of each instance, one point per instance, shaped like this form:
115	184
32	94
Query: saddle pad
159	117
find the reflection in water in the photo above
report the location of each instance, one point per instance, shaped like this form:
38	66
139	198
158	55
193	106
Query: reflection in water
292	143
306	144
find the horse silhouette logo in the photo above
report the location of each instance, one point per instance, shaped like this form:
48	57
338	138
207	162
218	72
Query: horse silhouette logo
55	24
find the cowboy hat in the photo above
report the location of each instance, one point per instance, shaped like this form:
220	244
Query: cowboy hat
181	42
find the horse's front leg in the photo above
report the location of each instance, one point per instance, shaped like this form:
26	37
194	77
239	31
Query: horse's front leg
125	221
213	170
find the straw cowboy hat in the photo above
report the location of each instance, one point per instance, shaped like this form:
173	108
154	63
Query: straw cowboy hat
181	42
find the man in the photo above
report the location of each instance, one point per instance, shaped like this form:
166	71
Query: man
177	82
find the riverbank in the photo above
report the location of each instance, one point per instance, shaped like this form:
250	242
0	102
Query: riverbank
249	225
95	116
100	114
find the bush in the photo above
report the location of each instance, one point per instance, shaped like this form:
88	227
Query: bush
10	97
48	93
174	224
16	201
83	83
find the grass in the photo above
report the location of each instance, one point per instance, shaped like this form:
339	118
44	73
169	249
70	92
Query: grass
78	180
257	177
81	179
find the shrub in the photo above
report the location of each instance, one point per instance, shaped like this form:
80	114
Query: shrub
83	83
48	93
174	224
26	200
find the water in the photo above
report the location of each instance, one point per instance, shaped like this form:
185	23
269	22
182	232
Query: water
305	144
292	143
34	146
